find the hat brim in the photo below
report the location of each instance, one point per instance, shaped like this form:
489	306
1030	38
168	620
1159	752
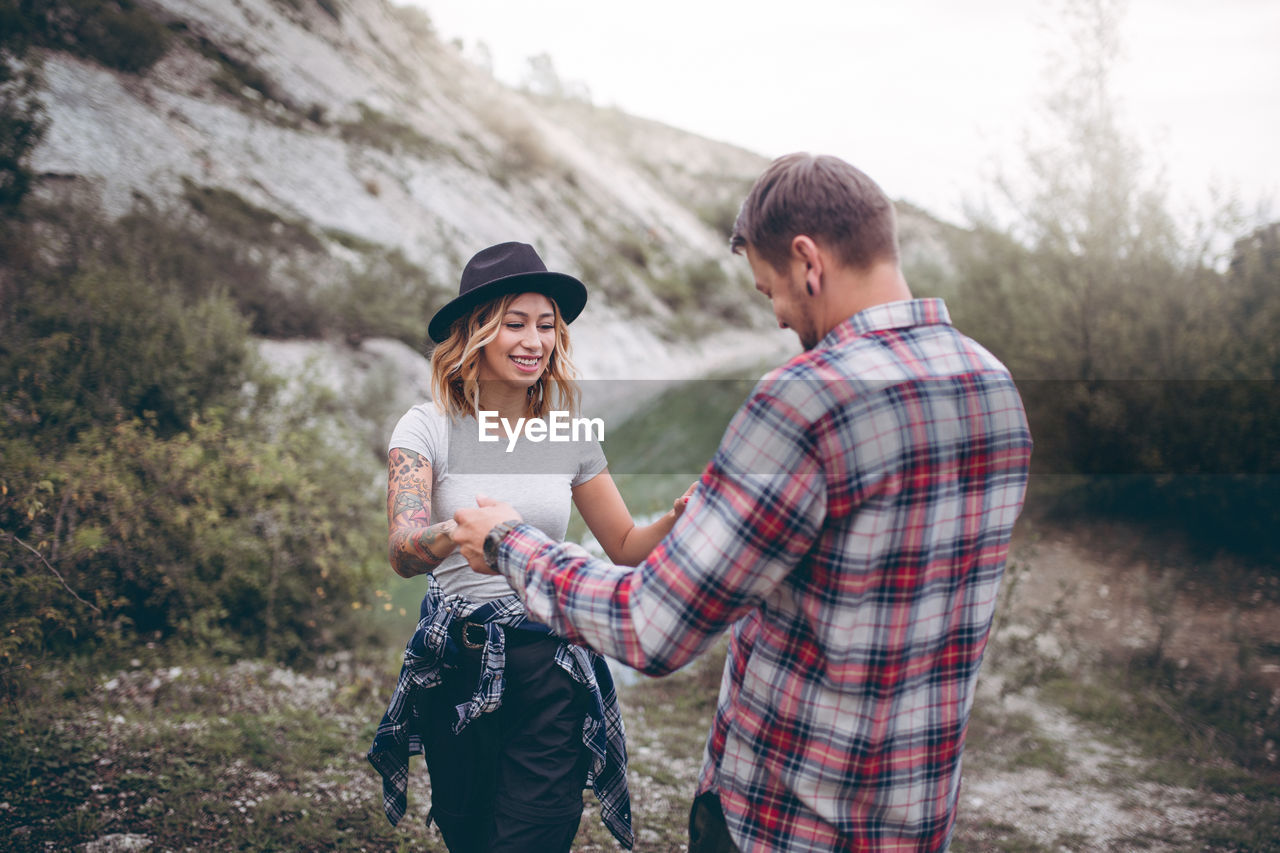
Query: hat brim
569	294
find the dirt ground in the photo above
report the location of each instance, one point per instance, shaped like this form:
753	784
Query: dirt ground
1036	779
1074	598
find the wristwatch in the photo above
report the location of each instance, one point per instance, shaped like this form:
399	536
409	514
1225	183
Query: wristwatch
494	540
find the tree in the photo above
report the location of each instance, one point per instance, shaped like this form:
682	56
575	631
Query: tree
542	78
1124	334
22	122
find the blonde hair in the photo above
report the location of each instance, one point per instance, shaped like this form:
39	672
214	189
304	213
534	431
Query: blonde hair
455	364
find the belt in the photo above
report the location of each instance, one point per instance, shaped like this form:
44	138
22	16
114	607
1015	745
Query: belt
473	635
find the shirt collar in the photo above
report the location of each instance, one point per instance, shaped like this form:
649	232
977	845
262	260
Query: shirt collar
889	315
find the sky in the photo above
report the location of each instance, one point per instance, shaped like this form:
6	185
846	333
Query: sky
930	97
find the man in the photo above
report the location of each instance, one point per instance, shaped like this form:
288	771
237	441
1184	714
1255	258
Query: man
851	530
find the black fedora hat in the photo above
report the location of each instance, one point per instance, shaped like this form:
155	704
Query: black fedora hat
508	268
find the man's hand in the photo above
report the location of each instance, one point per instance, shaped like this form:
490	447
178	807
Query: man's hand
474	525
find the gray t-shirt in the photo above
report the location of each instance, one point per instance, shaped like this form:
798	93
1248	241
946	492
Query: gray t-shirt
535	477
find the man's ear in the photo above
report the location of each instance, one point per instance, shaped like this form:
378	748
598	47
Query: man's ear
804	250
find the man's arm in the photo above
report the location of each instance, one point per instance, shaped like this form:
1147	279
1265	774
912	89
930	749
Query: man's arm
415	545
758	509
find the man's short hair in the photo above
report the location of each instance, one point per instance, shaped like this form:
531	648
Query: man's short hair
824	198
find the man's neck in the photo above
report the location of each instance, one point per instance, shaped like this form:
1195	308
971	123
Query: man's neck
847	292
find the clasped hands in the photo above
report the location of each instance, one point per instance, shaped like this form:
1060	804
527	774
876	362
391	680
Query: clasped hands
474	526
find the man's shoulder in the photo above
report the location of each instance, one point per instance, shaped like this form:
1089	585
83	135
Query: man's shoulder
805	383
864	368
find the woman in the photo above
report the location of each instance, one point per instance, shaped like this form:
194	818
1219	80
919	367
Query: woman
513	721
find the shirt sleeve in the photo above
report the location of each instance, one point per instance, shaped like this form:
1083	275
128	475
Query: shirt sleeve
758	508
591	462
420	430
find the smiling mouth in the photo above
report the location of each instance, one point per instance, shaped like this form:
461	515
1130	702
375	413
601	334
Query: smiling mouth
526	364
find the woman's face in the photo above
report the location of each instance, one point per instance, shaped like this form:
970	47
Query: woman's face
525	341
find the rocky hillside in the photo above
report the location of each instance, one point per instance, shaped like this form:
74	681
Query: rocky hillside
343	148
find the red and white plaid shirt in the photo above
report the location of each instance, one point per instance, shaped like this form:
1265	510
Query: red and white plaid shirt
852	529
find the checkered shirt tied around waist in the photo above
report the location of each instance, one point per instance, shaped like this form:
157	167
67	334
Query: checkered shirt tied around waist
399	734
852	531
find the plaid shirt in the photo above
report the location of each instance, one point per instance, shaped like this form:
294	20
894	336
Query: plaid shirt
399	734
852	529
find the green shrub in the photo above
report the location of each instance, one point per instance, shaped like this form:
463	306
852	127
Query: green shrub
22	120
235	245
376	129
214	537
1144	366
119	34
331	8
105	344
152	489
234	217
704	288
722	215
391	296
633	248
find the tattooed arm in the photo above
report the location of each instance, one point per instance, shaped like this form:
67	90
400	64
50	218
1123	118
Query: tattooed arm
416	545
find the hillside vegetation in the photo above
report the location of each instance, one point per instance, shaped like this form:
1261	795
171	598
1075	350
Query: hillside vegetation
185	187
222	228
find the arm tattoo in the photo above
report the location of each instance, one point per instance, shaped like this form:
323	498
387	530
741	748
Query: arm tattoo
416	545
411	503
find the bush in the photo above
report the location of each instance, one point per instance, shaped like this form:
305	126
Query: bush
1130	349
704	288
212	537
22	121
119	34
722	215
106	344
378	130
331	8
235	245
390	297
143	496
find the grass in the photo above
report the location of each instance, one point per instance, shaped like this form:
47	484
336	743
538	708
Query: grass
235	217
1195	734
1011	740
994	837
1204	732
252	756
212	757
376	129
667	723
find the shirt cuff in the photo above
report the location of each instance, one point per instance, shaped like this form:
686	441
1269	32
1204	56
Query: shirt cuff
517	548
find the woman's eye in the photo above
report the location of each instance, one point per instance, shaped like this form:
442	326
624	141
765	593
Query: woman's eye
546	328
515	325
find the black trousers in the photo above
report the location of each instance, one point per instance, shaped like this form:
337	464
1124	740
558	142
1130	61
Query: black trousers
707	830
512	781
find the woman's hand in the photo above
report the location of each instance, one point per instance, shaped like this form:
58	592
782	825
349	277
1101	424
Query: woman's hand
681	502
609	520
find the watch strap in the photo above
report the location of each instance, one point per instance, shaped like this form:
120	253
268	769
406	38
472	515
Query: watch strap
493	541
